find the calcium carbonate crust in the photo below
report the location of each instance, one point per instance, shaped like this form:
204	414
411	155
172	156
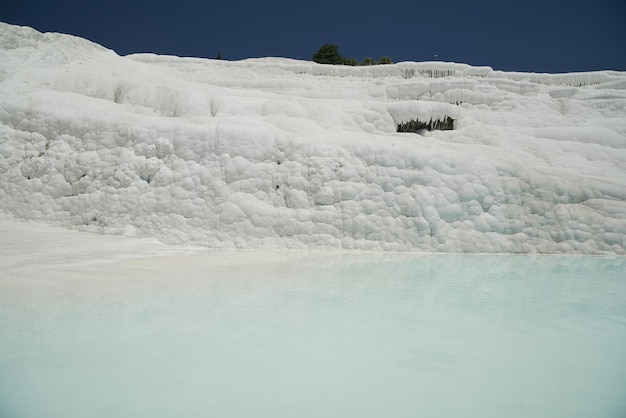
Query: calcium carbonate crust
277	153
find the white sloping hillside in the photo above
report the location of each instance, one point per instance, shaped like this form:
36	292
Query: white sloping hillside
278	153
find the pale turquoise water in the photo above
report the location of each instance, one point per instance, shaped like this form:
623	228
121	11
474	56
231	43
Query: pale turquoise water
317	335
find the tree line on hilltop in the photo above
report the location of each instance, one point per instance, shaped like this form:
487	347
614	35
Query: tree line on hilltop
329	54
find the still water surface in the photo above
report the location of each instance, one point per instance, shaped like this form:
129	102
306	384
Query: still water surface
239	334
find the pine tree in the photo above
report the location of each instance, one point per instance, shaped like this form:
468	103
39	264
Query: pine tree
328	54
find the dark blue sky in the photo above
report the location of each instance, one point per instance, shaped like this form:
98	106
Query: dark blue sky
532	35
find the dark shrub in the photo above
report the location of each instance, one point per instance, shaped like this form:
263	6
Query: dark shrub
328	54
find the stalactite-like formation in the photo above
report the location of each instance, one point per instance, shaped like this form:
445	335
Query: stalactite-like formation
415	126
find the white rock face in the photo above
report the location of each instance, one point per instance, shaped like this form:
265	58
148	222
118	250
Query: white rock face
278	153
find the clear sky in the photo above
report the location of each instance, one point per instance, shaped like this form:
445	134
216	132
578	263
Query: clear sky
529	35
